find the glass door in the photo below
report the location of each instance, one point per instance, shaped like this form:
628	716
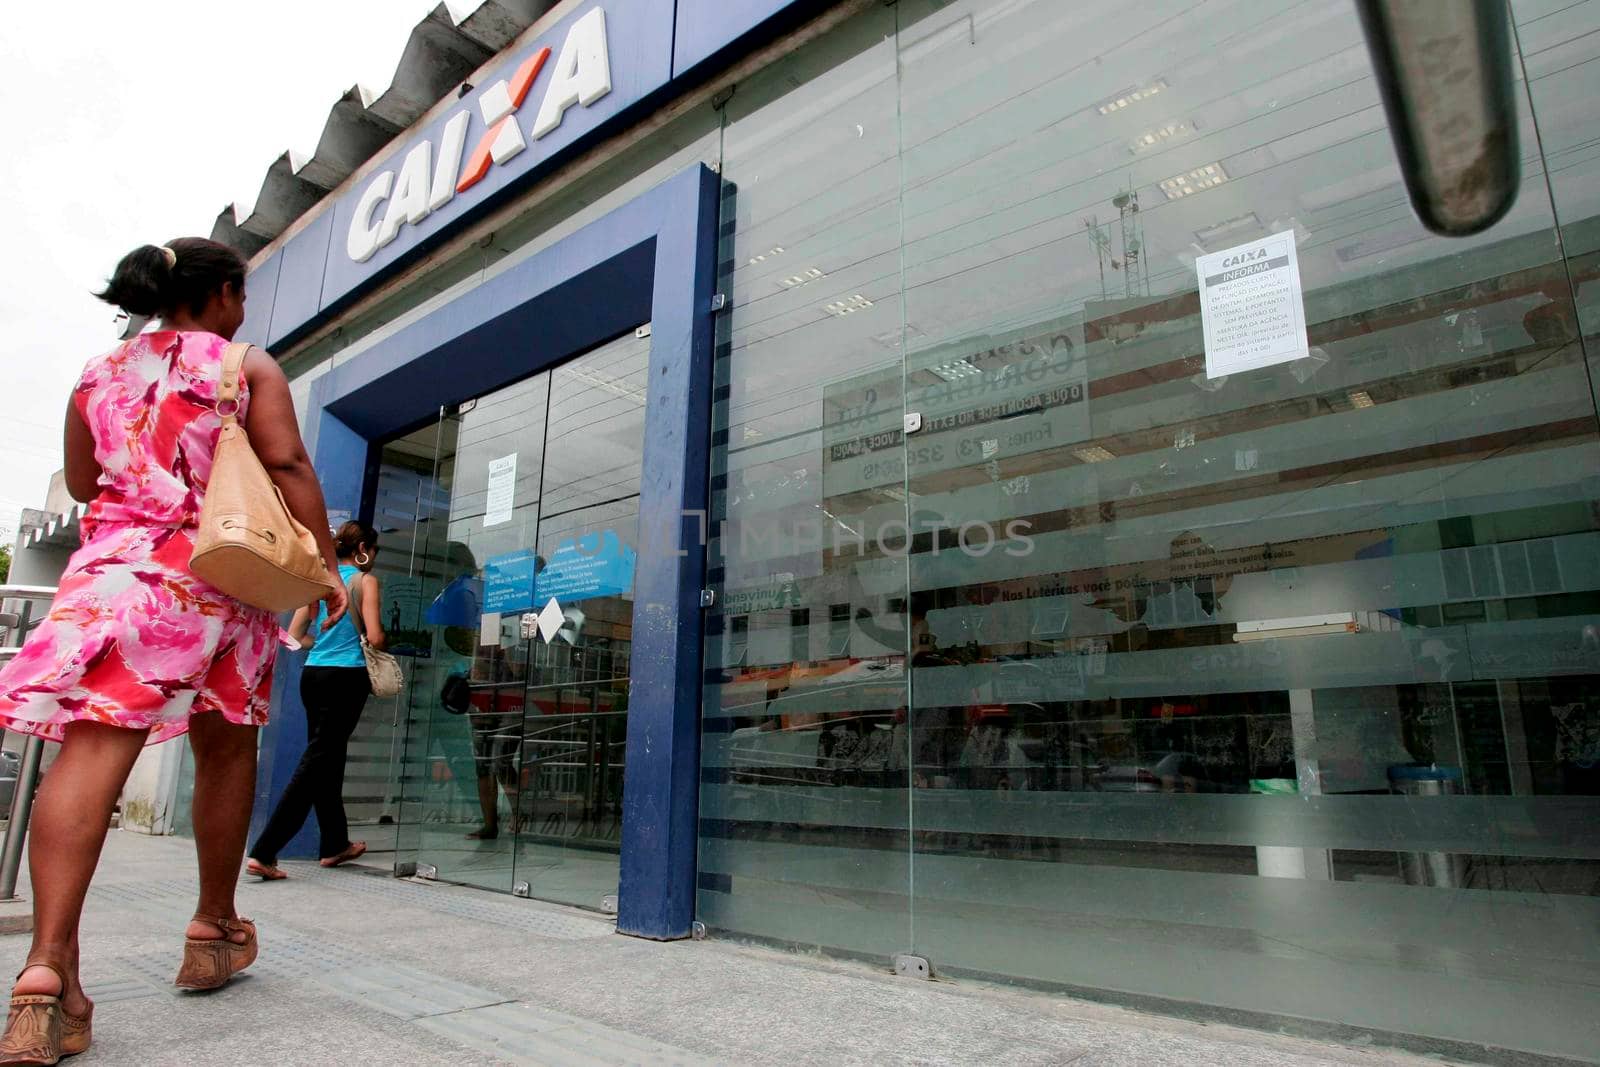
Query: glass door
516	733
575	713
466	697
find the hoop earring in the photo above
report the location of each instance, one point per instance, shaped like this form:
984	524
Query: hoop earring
363	560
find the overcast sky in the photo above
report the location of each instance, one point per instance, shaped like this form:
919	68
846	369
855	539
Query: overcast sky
134	123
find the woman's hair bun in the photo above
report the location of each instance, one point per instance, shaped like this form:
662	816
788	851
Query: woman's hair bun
142	282
182	274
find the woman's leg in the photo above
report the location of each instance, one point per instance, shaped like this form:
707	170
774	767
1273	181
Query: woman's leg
301	792
65	835
224	792
348	693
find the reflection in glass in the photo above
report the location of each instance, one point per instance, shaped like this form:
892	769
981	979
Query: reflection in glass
1285	678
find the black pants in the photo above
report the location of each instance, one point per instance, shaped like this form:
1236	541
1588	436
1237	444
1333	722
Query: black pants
334	697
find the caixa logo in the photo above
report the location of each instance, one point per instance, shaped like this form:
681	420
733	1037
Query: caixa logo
426	182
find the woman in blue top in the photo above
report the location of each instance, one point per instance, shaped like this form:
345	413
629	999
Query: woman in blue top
334	688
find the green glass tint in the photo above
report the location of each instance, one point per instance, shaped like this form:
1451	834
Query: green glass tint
1062	641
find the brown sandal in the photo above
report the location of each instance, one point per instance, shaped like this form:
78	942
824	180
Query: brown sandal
208	962
38	1029
267	872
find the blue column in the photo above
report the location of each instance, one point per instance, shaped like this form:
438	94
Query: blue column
660	797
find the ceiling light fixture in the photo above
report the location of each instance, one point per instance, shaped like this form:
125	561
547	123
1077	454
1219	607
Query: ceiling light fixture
810	274
955	370
1094	454
847	306
1193	181
1130	96
1151	138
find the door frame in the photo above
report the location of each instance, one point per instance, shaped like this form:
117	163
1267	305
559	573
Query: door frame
652	260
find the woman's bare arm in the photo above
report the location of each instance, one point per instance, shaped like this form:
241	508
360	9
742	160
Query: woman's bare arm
371	607
275	434
300	629
82	468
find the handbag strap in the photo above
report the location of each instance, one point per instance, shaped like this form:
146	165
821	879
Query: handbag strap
228	388
353	607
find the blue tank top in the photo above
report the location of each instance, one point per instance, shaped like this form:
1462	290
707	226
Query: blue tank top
340	646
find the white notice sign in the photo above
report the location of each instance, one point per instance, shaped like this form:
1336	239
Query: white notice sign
502	490
1251	306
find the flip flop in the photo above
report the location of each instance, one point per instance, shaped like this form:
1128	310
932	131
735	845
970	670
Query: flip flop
351	851
264	872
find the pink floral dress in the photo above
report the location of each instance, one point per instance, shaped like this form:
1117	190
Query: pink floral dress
133	638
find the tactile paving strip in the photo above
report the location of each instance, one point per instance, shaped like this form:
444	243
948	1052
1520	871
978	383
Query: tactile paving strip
529	917
481	1019
527	1034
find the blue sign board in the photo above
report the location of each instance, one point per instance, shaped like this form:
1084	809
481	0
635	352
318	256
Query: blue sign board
549	98
596	564
558	89
508	582
705	27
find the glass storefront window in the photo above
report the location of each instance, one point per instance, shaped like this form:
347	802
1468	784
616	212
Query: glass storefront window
804	804
1282	675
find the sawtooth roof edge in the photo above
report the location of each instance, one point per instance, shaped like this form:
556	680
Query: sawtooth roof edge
441	53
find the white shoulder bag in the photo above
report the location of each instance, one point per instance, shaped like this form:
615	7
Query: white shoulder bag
382	668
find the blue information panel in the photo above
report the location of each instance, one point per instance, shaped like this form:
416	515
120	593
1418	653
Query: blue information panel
597	564
508	582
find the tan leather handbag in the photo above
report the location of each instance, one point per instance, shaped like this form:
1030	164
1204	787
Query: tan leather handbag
248	545
383	670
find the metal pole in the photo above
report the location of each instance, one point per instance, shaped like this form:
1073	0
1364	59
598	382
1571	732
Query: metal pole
21	809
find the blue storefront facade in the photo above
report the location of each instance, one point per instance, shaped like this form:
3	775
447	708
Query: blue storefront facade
824	497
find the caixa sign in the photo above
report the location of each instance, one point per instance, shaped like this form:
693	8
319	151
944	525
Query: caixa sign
555	91
431	174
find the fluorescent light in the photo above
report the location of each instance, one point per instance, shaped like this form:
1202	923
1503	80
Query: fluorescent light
810	274
1130	96
955	370
1193	181
768	254
847	306
1362	399
1237	224
1300	626
1093	454
1161	134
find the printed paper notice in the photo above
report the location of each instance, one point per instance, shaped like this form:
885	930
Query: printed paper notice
502	490
1251	306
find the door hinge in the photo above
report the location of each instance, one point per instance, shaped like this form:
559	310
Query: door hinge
708	598
909	966
718	302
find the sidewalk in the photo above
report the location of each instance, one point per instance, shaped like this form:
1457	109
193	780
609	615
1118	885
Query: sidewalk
363	969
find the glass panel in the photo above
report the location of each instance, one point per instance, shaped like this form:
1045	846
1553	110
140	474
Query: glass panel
1561	61
1284	676
466	762
574	732
804	716
406	500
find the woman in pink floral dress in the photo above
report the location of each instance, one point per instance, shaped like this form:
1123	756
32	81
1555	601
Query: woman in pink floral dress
136	649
